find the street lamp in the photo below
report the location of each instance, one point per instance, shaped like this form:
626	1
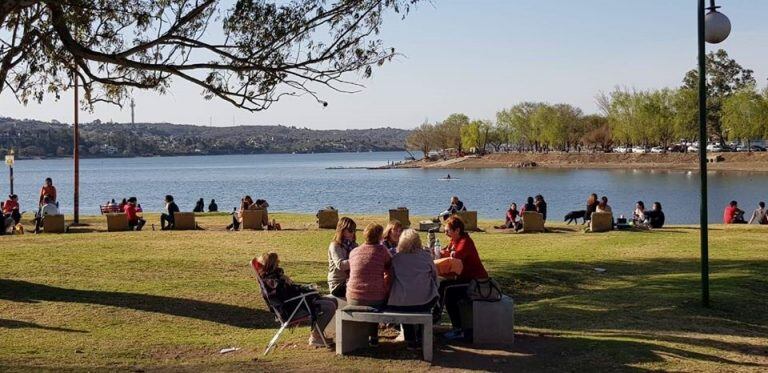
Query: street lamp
714	27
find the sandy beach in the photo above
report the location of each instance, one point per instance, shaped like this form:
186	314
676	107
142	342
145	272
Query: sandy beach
745	162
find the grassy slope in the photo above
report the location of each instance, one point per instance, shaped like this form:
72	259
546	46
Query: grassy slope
171	300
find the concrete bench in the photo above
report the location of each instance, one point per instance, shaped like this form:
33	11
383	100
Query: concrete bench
253	219
327	219
493	322
117	222
352	328
54	224
469	218
532	222
400	214
184	221
601	222
330	329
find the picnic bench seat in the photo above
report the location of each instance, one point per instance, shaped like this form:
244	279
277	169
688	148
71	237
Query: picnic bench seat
469	218
54	224
184	221
400	214
532	222
601	222
117	222
493	322
253	219
352	328
106	209
327	218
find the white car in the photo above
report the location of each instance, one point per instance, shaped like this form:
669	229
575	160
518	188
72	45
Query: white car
658	150
621	149
693	149
714	148
639	149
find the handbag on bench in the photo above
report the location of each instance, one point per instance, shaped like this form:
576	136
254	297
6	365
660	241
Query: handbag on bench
487	290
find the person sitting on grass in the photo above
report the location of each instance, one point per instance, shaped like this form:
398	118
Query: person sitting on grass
461	247
167	220
368	265
456	206
344	240
12	209
414	283
592	203
655	218
759	216
237	217
392	236
49	208
603	205
733	214
199	206
281	288
131	213
638	216
213	207
511	221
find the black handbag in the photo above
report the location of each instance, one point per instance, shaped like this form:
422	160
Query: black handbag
487	290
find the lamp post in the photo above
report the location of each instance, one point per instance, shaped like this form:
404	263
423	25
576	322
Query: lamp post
714	27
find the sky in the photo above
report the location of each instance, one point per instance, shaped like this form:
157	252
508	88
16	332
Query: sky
478	57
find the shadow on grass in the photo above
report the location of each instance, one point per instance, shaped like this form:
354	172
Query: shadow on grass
243	317
15	324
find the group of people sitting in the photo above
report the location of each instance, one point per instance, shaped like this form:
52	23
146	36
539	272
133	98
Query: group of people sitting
200	206
389	270
247	203
734	215
10	214
512	219
641	218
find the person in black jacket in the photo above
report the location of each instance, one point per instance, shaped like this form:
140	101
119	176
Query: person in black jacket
213	207
541	206
167	216
199	206
655	217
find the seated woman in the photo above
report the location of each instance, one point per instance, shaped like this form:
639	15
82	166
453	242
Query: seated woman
199	206
511	221
529	205
456	206
338	256
213	207
368	264
280	287
12	208
261	204
131	213
541	206
603	205
638	216
461	247
655	217
392	236
414	282
237	217
592	203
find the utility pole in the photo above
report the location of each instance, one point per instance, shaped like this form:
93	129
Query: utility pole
133	114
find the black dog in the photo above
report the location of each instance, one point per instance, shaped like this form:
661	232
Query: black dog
574	216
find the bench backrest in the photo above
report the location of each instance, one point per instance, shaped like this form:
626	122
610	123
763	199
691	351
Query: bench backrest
117	222
54	224
532	221
469	218
328	219
601	222
184	220
401	215
252	219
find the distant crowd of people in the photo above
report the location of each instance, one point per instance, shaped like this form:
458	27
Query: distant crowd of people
247	203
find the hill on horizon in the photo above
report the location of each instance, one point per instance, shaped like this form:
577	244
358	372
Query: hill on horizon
33	138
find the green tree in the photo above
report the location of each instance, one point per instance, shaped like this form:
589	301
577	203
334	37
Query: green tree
265	50
450	130
686	120
470	135
519	128
422	139
745	115
724	77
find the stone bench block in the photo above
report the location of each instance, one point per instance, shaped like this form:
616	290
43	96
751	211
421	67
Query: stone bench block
352	328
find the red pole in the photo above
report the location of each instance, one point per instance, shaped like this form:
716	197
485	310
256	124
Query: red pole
76	201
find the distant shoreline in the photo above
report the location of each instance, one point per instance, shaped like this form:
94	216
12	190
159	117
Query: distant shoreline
742	161
195	155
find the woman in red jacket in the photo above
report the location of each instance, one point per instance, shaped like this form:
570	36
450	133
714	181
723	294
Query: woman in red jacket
453	291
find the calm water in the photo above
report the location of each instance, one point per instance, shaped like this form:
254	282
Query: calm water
301	183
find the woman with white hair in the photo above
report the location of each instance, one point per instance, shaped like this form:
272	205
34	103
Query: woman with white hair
414	282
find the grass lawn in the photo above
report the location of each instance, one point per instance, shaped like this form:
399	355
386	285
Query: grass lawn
157	300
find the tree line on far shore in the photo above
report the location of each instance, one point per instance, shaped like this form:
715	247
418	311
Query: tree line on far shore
737	111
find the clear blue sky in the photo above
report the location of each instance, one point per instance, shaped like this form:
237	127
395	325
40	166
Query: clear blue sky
477	57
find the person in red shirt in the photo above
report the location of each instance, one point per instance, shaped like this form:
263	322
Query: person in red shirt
733	215
11	208
134	221
48	190
452	292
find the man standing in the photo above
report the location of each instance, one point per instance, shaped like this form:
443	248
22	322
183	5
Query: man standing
167	216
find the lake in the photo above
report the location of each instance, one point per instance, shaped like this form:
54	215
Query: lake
302	183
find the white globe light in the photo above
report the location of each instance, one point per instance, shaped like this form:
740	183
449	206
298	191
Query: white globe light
717	27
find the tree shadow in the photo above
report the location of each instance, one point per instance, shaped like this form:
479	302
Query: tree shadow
242	317
15	324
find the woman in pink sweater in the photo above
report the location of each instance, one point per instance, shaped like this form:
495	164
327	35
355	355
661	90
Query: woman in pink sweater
368	264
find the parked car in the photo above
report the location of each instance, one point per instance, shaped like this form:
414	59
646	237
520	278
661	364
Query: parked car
658	150
693	149
714	148
621	149
753	148
757	148
640	149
